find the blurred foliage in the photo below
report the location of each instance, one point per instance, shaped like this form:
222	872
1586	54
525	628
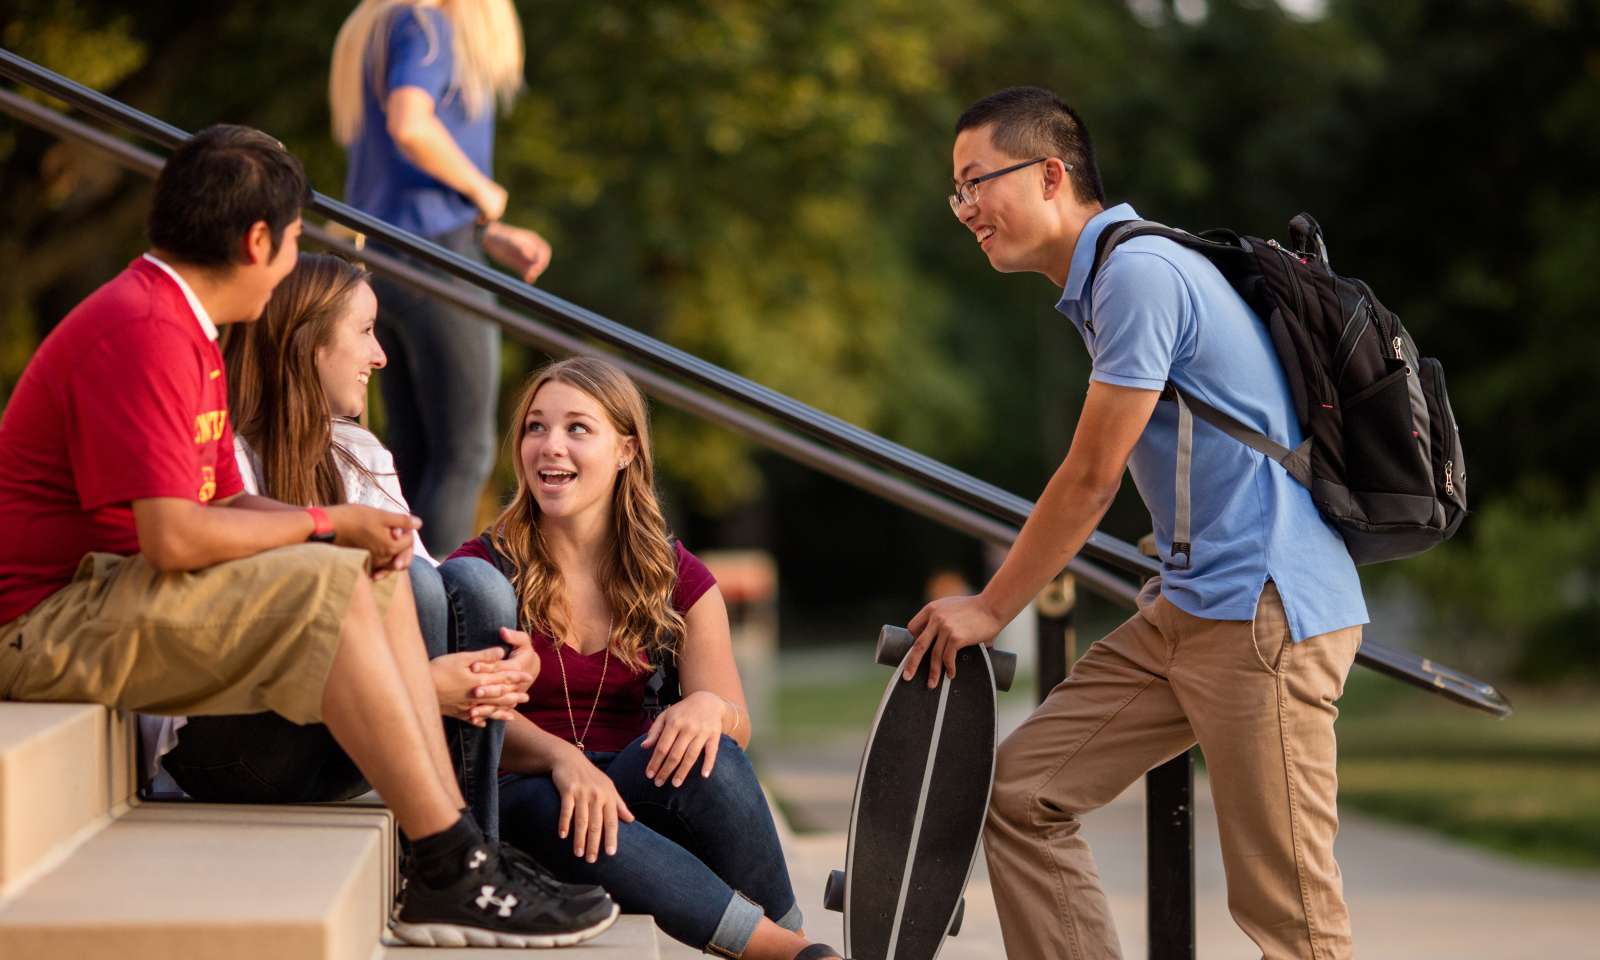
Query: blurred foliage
761	183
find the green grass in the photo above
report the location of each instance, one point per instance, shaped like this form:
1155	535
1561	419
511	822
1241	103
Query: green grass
1527	786
811	710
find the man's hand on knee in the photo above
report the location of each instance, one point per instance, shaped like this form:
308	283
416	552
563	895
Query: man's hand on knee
388	537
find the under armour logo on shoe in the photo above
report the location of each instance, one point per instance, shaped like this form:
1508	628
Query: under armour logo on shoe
488	897
478	858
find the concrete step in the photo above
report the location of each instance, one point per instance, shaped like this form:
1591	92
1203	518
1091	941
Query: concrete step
354	815
632	937
65	768
151	888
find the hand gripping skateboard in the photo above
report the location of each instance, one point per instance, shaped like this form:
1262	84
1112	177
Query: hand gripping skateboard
921	798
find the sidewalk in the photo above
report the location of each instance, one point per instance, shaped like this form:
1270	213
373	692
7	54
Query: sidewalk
1412	895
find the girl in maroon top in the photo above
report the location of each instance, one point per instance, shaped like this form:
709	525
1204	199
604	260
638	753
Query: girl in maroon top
664	811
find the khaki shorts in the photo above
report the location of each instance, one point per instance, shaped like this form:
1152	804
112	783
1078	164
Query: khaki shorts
247	636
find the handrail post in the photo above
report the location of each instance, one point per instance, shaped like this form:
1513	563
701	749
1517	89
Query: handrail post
1169	858
1055	608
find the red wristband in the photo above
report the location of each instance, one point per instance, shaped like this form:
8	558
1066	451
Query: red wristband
323	531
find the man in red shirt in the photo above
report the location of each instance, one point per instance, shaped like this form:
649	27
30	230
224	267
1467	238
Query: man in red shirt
135	572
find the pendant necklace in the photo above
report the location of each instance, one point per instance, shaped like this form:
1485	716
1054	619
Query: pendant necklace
578	738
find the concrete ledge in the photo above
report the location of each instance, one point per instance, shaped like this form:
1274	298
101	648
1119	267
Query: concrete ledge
55	783
151	890
354	815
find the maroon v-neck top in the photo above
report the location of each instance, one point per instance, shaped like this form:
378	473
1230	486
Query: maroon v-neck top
619	712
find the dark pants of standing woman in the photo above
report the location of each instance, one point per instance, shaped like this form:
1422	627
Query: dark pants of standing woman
703	858
263	758
440	392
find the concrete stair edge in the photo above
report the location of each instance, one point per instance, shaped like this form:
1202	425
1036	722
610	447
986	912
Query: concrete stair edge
55	792
157	887
331	815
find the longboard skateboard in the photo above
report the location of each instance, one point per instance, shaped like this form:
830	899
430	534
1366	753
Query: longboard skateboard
921	797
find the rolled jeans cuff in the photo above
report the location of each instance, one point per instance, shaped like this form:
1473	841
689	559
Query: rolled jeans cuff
738	925
793	920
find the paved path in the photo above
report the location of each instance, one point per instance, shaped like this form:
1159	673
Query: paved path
1412	895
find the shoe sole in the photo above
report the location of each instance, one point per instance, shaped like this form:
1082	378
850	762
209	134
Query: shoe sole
456	935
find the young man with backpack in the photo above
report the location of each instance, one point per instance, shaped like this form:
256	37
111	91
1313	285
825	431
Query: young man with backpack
1244	641
136	573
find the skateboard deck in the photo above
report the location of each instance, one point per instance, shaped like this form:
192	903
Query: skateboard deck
921	797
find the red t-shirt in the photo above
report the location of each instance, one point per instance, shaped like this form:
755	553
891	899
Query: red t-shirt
125	399
619	713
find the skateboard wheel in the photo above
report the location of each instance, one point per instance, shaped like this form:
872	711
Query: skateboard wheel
893	645
955	922
1005	668
833	892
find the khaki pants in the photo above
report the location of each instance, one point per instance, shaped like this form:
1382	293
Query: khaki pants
247	636
1261	708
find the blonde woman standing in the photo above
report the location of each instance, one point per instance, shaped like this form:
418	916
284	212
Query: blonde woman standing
413	87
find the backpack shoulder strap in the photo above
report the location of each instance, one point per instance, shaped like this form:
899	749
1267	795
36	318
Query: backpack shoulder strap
1297	461
1220	246
501	561
1224	249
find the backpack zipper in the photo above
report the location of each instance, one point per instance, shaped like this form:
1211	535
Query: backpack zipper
1450	431
1348	340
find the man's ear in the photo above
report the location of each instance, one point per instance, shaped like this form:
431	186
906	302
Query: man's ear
1055	178
258	243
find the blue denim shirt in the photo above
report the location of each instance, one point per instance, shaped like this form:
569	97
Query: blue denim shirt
380	180
1160	312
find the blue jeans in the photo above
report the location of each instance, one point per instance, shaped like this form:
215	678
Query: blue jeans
263	758
702	858
440	394
462	606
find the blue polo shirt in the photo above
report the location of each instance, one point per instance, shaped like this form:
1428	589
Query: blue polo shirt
1159	312
381	181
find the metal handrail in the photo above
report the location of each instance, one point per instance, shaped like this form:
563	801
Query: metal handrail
925	471
545	337
931	482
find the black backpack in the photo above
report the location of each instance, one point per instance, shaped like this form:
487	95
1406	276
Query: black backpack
1382	453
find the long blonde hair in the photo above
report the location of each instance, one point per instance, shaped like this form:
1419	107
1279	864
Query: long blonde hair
487	52
640	567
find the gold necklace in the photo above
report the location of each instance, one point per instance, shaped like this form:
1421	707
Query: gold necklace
605	662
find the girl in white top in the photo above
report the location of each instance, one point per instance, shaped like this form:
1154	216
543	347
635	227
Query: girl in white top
366	468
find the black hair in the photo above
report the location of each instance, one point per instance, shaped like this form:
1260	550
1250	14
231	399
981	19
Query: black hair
219	183
1033	122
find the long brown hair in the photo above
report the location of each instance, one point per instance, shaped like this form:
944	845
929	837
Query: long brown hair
640	567
273	389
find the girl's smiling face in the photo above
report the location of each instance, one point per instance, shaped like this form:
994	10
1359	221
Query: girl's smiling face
571	451
345	363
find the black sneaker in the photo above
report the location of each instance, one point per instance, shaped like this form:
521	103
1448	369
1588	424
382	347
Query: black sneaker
538	874
494	904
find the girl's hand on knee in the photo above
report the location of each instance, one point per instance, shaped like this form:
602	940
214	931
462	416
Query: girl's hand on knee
590	806
684	733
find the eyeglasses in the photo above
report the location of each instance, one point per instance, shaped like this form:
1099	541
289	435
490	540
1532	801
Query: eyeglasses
967	193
